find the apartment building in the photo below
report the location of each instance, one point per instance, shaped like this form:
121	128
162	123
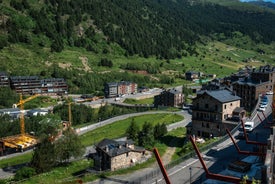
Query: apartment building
34	85
210	111
115	89
169	98
250	88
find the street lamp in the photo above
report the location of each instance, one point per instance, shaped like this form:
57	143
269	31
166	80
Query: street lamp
190	169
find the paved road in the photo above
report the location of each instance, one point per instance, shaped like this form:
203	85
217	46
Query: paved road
186	115
217	159
187	118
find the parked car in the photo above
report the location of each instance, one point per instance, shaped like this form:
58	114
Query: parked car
269	92
263	105
261	109
264	97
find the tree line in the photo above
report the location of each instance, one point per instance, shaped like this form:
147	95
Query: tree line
148	135
147	28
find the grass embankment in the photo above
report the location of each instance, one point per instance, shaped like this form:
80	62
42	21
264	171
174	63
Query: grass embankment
114	130
118	129
141	101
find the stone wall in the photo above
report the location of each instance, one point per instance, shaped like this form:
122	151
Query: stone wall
126	160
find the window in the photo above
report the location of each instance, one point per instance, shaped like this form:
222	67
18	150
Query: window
216	107
230	104
206	106
202	124
224	106
207	125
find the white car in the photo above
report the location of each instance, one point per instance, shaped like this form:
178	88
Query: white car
263	105
269	92
261	109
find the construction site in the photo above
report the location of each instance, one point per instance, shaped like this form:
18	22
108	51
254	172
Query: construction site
23	140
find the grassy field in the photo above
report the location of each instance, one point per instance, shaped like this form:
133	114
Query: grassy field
141	101
220	58
118	129
114	130
68	174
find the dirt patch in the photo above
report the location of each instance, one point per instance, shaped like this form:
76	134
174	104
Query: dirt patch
47	63
169	72
65	65
84	61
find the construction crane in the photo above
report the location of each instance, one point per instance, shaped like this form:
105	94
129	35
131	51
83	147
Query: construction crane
21	104
23	140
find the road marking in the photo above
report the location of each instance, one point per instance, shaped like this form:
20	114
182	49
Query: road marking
174	172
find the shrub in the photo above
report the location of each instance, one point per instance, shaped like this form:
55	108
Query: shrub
24	172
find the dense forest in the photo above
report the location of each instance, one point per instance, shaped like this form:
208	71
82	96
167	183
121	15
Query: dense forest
34	35
163	28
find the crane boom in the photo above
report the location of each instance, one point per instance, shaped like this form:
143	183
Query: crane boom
21	104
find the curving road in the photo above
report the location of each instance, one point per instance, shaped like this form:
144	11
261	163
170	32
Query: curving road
8	172
216	159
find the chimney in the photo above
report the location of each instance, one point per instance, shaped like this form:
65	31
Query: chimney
107	148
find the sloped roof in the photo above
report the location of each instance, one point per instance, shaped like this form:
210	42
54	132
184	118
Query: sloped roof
222	95
116	148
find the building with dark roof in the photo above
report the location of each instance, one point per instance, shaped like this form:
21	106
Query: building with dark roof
249	88
250	91
4	80
12	112
169	98
210	111
191	75
113	155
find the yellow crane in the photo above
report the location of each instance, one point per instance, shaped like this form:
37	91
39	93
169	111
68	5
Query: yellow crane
21	104
23	140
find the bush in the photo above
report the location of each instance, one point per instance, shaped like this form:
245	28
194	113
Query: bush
24	172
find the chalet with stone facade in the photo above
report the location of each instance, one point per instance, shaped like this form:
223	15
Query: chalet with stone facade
113	155
210	112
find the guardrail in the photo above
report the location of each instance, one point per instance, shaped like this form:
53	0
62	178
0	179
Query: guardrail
156	172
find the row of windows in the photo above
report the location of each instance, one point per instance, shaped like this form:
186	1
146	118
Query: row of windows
207	125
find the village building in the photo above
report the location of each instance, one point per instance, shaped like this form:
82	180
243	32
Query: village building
191	75
113	155
211	110
251	88
4	80
12	112
169	98
115	89
34	85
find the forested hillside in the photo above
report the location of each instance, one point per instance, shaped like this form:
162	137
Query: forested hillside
39	33
151	27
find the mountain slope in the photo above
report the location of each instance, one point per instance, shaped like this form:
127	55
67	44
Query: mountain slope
90	42
150	27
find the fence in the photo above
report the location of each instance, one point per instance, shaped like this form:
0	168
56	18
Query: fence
156	172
